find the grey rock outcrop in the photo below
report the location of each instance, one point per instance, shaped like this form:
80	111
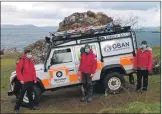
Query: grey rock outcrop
84	19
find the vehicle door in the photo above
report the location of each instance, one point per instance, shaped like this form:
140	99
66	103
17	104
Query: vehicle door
62	70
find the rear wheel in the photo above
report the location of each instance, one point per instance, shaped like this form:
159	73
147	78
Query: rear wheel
114	82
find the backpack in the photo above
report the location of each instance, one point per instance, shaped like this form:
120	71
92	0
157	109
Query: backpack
23	63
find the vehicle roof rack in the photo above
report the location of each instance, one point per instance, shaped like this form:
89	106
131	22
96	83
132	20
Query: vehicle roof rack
59	38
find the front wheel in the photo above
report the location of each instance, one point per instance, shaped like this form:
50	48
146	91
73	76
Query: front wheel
114	82
36	96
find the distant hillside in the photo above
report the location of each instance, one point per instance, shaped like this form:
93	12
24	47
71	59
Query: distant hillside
149	29
16	26
27	26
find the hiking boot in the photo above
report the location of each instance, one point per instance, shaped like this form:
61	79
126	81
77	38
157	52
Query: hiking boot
89	100
16	112
144	89
83	99
35	108
132	82
138	90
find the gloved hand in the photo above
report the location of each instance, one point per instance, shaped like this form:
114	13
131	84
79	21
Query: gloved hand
92	75
79	78
79	73
22	82
135	70
150	72
35	81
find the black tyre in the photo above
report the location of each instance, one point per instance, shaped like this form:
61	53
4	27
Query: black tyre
113	82
36	96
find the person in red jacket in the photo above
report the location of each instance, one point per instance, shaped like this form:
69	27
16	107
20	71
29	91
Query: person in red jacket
87	68
26	74
143	65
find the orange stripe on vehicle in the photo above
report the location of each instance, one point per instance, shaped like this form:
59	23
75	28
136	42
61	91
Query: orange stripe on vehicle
51	73
58	69
67	72
126	60
99	65
102	65
73	77
46	82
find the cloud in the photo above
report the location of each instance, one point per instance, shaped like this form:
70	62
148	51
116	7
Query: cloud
8	8
124	5
51	13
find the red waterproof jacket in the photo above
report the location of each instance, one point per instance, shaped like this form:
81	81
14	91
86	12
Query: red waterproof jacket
25	70
88	63
143	59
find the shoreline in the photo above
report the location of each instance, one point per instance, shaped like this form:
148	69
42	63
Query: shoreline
6	51
15	49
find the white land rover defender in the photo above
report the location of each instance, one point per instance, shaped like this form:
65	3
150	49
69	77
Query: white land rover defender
114	48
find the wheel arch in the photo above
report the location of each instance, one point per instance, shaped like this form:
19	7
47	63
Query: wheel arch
112	68
39	83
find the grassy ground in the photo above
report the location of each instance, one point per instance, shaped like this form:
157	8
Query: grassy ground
126	102
135	107
156	50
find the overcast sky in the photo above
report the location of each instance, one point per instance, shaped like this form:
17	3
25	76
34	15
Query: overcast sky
51	13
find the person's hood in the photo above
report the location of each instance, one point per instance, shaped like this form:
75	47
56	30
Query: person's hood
38	67
147	49
90	52
23	57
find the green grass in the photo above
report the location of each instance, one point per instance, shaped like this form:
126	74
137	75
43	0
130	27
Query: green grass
135	107
149	105
156	50
7	66
14	55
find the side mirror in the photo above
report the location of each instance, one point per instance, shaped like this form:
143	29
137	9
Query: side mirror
52	61
49	66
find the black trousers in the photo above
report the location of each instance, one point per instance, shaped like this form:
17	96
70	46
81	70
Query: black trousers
17	88
26	87
142	74
87	84
131	78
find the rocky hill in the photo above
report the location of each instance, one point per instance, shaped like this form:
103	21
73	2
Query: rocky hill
84	19
75	20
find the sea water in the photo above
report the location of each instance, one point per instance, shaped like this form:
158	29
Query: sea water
22	37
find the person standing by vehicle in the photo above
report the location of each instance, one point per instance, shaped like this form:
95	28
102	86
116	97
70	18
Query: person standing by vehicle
87	68
26	74
143	65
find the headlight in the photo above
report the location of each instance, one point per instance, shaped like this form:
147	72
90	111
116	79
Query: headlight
13	73
12	77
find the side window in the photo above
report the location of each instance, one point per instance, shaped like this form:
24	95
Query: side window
93	47
61	56
77	51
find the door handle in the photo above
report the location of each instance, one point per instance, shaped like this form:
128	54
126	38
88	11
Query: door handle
77	63
71	69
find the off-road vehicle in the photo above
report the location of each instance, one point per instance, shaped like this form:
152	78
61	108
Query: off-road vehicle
114	48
